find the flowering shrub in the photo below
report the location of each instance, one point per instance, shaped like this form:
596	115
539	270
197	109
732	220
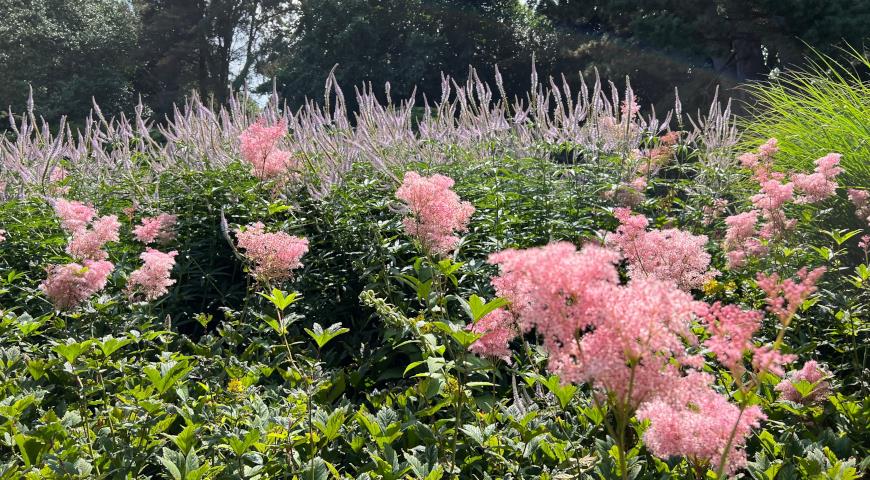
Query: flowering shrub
534	351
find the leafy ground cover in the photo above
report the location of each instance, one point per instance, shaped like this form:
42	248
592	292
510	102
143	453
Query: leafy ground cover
579	294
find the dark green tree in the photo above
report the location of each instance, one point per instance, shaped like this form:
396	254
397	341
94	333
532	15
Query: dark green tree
209	46
407	43
69	51
698	44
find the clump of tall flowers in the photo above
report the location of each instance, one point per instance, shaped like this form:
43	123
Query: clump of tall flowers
670	254
67	286
274	255
634	343
435	212
750	233
259	146
629	341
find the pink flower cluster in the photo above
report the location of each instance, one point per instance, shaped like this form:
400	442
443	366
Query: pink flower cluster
695	421
819	185
86	243
744	238
69	285
815	376
497	330
259	145
631	330
153	277
556	290
639	328
2	235
784	297
630	342
669	255
73	215
731	330
861	200
629	110
275	255
160	229
436	211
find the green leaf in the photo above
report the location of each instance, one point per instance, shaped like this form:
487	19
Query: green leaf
479	309
28	325
167	375
186	440
322	337
31	448
71	351
563	392
110	345
279	299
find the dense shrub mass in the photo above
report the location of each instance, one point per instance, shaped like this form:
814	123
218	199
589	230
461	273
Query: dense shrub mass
594	295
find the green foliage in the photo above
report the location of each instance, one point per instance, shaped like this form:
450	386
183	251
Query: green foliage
823	109
359	367
367	40
70	52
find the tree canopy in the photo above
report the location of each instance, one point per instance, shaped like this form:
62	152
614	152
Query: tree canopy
161	50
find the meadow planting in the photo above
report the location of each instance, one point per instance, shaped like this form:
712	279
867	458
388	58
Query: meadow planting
566	285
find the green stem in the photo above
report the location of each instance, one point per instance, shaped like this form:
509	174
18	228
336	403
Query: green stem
722	461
